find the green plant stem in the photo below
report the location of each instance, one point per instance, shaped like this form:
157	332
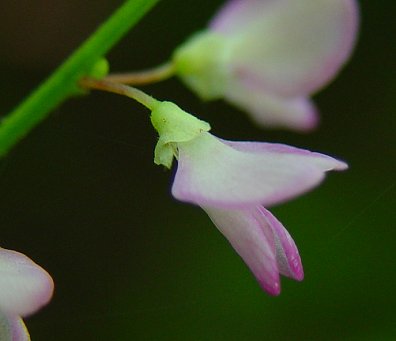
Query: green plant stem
154	75
63	82
120	89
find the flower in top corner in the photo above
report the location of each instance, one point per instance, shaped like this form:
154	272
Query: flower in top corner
269	56
25	287
234	182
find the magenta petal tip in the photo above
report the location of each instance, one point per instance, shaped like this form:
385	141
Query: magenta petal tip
273	289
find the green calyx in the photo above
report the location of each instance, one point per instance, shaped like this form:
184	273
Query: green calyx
174	125
202	63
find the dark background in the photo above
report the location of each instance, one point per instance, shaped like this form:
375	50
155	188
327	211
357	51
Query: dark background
81	195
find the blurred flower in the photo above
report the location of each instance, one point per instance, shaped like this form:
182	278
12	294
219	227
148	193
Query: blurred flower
24	288
269	56
234	181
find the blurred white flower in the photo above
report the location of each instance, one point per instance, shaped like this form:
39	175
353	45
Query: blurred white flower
269	56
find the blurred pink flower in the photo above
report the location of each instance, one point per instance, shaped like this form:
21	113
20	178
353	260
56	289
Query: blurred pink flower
234	181
269	56
24	288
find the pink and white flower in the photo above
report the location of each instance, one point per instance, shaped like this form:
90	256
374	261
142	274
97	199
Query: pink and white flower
25	287
269	56
234	181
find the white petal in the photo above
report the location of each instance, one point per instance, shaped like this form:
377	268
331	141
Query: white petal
272	111
292	48
252	239
212	172
321	161
236	15
24	286
12	328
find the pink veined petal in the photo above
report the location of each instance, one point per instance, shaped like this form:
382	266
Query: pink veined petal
24	286
12	328
252	239
287	256
225	174
292	48
272	111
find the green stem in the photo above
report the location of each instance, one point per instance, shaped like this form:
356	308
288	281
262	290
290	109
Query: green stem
63	82
154	75
120	89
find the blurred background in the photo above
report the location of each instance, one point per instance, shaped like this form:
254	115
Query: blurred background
81	195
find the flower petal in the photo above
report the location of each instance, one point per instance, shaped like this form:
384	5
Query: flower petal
287	256
323	162
272	111
252	239
236	15
24	286
12	328
292	48
212	172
